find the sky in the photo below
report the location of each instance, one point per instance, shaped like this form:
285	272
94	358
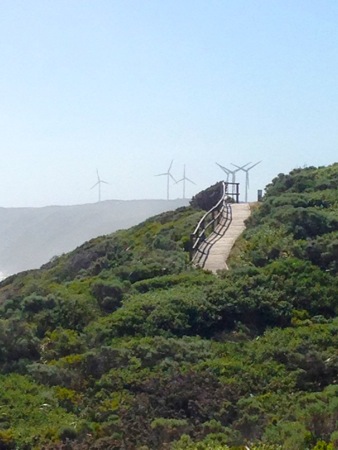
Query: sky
126	86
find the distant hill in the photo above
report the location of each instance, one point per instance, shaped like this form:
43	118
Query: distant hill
30	237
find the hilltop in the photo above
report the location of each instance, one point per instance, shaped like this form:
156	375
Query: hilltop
32	236
122	344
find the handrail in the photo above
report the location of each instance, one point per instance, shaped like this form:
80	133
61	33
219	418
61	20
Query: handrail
221	212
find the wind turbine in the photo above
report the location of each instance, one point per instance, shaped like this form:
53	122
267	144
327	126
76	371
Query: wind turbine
225	170
246	170
98	183
168	175
232	172
184	179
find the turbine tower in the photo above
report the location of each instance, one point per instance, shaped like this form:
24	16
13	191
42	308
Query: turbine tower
98	183
168	175
184	179
246	170
232	172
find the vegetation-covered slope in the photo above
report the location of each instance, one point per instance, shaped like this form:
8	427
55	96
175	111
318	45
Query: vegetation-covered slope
32	236
121	344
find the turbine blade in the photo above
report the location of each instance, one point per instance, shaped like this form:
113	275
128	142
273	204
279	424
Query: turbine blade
170	165
223	168
241	167
171	177
95	185
254	165
235	166
160	174
188	179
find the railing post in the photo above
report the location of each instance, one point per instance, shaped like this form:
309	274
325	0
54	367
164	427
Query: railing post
213	221
191	248
203	232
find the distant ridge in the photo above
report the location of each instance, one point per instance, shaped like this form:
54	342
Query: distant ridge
30	237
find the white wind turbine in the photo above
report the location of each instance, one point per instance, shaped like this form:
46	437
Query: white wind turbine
232	172
168	175
98	183
246	170
183	180
226	171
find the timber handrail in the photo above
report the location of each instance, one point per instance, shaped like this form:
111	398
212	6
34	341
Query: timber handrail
219	214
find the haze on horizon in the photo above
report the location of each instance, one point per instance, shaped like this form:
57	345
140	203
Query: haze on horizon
124	87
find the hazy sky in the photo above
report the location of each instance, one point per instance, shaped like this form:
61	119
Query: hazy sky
125	86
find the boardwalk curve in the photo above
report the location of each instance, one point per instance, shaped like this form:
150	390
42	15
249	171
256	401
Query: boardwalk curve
222	240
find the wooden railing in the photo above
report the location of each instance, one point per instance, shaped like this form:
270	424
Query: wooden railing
210	228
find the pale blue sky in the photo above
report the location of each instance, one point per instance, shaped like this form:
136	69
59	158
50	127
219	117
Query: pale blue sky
127	86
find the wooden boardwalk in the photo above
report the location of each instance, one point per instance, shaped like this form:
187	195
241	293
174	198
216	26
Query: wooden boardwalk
220	249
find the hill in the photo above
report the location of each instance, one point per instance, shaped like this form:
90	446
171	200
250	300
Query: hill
121	344
32	236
